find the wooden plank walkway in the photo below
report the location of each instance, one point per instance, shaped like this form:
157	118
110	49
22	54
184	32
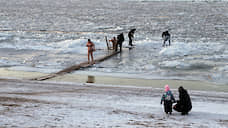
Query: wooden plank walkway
74	67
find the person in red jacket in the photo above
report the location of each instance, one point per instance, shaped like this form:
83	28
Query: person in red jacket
91	48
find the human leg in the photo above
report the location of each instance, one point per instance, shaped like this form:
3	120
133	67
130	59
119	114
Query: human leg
116	48
130	41
120	46
92	56
167	107
163	43
88	57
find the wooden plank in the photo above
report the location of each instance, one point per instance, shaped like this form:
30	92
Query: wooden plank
45	77
74	67
107	43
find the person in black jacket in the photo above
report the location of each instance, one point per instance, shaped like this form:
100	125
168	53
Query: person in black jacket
120	40
131	36
166	37
184	105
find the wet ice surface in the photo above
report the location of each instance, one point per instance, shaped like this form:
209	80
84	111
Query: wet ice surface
48	36
45	104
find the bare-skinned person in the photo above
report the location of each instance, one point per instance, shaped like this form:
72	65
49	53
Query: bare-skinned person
114	43
91	48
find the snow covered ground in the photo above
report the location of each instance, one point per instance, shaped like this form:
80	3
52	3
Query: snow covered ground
45	104
46	36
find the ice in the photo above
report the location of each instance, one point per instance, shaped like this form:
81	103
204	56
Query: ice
185	49
75	46
34	69
223	69
175	64
72	46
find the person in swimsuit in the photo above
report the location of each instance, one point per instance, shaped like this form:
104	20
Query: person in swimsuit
114	43
91	48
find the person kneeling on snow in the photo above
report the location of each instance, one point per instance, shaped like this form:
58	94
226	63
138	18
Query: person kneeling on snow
184	104
168	99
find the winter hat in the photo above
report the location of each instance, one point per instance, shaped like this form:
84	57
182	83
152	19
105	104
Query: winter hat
167	88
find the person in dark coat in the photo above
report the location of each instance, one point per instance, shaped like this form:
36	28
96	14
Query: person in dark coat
166	37
120	40
131	36
184	105
168	100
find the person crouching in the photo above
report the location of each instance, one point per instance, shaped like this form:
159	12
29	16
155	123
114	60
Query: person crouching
184	104
168	99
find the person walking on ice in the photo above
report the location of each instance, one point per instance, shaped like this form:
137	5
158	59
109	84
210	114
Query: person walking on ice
120	40
131	36
168	100
91	48
166	37
114	43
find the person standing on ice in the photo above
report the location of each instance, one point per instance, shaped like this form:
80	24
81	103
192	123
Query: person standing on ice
131	36
168	100
166	37
114	43
91	48
120	40
184	104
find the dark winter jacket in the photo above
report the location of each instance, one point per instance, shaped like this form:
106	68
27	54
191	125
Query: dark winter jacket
168	96
131	33
166	33
120	38
184	100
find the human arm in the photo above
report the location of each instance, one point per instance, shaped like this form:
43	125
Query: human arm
173	99
93	47
162	99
